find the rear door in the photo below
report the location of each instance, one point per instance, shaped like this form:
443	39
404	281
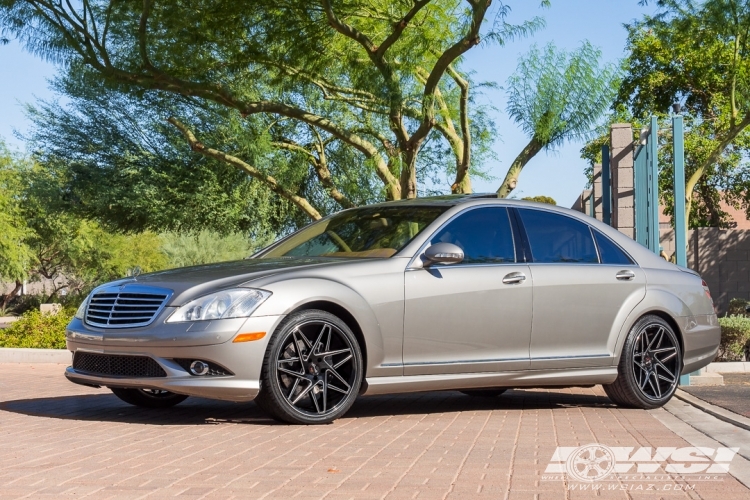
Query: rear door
583	285
474	316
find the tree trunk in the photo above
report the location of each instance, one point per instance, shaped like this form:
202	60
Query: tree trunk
511	178
409	175
5	299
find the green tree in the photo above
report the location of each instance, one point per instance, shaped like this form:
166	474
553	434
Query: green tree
15	254
556	96
541	199
205	247
696	53
378	78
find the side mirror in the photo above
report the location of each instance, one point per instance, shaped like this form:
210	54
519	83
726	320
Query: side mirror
443	253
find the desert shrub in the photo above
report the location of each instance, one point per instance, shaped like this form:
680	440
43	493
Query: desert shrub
737	307
735	338
37	330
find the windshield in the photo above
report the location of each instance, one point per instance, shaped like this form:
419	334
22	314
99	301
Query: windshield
362	232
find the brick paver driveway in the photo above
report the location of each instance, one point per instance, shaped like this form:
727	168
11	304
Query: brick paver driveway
59	440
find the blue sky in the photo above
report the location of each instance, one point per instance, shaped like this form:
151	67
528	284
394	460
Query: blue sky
23	78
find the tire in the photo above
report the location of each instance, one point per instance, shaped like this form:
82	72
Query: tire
148	398
483	393
649	368
312	371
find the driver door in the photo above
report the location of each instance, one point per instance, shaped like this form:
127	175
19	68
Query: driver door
474	316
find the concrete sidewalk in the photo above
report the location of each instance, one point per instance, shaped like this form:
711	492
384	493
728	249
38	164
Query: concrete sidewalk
61	440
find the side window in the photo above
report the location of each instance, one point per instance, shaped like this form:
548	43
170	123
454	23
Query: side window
557	238
484	234
609	252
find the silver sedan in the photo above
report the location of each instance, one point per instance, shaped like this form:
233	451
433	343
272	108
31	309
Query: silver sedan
468	293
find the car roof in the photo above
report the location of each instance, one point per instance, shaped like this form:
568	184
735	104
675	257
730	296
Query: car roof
443	200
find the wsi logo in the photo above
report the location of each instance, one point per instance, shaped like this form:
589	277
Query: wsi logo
595	462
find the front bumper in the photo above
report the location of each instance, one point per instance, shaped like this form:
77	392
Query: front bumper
243	359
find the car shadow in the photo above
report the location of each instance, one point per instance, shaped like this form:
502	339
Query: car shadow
106	407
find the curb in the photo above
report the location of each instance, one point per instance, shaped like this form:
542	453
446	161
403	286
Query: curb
717	411
19	355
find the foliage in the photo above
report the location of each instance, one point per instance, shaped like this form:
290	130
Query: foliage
541	199
696	53
737	307
37	330
735	338
334	94
72	252
557	96
14	253
205	247
117	161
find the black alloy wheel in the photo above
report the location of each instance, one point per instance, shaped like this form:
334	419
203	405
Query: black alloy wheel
650	366
148	398
312	371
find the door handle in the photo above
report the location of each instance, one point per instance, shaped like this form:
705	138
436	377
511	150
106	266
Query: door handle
514	278
625	275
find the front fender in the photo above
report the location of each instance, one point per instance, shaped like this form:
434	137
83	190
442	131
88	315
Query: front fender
292	294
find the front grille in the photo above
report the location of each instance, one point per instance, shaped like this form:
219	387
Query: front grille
117	365
129	306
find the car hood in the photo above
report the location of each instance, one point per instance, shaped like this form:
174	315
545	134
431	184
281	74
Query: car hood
191	282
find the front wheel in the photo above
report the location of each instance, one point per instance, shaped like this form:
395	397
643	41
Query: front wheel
649	368
148	398
312	371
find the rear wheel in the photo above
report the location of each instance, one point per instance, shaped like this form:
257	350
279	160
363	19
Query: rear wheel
312	371
650	365
483	393
148	398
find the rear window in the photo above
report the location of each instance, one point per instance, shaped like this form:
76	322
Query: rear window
555	238
609	252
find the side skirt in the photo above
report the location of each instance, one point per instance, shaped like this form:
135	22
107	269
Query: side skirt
525	378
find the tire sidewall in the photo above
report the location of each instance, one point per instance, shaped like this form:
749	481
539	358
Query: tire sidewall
274	400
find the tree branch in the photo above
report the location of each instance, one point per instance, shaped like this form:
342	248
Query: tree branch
471	39
463	183
198	147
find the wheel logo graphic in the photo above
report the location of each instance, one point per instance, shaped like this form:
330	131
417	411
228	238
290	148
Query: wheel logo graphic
592	462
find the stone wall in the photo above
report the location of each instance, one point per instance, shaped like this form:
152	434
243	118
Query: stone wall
722	257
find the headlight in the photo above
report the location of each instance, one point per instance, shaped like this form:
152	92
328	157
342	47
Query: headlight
232	303
82	309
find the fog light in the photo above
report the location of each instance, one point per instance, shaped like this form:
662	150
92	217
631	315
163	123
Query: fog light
198	367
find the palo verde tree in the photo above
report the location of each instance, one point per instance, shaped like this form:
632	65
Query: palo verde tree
379	78
696	54
556	96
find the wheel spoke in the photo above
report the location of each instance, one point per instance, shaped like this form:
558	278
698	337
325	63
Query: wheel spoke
294	388
292	373
645	380
664	368
287	360
325	390
337	389
314	398
304	393
656	335
334	353
656	387
350	356
314	349
666	358
295	338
